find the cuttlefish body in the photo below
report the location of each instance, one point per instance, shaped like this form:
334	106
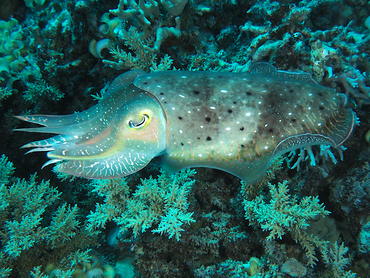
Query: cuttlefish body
235	122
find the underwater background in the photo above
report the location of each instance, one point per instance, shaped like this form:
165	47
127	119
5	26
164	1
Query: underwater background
300	220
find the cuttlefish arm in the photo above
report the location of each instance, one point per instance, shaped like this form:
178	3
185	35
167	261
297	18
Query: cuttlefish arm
117	137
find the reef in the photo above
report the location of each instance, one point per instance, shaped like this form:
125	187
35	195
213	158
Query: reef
309	215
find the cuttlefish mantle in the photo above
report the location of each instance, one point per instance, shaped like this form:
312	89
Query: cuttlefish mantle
235	122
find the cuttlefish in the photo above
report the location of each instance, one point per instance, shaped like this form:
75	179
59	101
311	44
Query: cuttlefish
235	122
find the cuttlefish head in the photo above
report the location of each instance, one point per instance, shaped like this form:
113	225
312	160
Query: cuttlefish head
117	137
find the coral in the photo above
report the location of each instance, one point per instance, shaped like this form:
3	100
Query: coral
142	10
15	60
23	231
11	47
210	61
10	38
28	233
264	44
171	223
39	89
96	47
6	170
249	27
149	21
161	201
174	7
163	33
143	58
34	3
108	30
37	273
215	237
108	25
4	93
336	260
144	13
139	12
218	228
285	214
320	54
354	83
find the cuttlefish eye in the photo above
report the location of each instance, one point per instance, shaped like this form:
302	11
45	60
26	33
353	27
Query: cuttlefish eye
143	123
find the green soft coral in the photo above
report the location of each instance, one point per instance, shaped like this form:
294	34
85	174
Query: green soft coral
39	89
21	219
31	233
161	201
171	223
6	171
286	214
